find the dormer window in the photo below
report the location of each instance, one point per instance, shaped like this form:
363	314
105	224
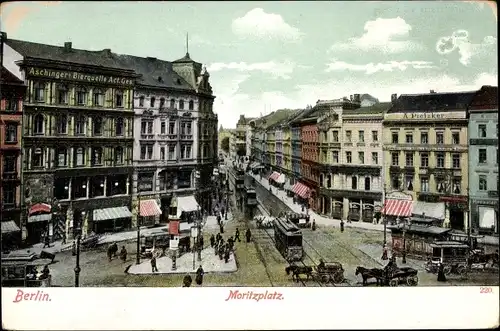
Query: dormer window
191	104
152	101
141	101
172	103
181	104
162	103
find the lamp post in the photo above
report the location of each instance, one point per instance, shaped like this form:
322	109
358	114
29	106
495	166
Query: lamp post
194	235
404	242
385	219
138	254
77	267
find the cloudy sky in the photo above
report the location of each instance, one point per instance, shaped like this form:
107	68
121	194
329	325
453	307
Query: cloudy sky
264	56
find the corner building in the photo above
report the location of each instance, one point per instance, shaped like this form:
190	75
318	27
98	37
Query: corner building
426	155
77	139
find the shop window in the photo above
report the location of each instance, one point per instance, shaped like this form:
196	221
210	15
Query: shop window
61	188
145	182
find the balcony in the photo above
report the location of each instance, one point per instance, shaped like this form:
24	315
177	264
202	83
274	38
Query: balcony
186	137
147	136
360	144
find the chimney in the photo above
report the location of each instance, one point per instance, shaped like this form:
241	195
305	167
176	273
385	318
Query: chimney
394	97
107	51
350	97
68	45
357	98
432	91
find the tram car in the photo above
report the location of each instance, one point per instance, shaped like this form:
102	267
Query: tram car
239	179
288	239
251	196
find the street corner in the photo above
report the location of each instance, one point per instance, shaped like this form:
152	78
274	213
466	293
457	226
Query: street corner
186	263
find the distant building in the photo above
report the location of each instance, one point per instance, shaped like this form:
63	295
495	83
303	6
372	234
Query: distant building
483	161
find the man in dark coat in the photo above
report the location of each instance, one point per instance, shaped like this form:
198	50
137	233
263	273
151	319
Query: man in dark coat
216	248
221	251
341	225
230	242
123	254
237	235
221	228
313	226
199	275
248	234
218	219
153	264
222	211
441	275
226	255
186	282
47	241
73	248
384	252
212	241
202	242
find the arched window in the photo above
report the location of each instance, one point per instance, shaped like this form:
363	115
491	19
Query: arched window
181	104
162	103
62	94
367	183
79	157
172	103
191	104
119	102
62	157
37	157
119	128
62	124
96	156
141	101
38	124
39	91
118	155
97	126
153	101
98	96
80	126
81	96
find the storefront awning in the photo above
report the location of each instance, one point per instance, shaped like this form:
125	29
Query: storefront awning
9	227
186	204
301	190
281	179
487	217
430	209
40	208
398	208
40	218
111	213
274	176
149	208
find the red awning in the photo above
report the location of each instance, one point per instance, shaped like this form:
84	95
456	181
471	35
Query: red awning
398	208
301	190
274	176
173	228
40	208
149	208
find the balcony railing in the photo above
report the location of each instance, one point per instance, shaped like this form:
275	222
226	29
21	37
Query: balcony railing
147	136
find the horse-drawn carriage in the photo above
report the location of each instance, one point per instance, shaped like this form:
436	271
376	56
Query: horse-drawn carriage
264	222
326	272
90	241
452	255
391	275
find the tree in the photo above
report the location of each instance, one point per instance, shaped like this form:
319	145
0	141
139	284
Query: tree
224	145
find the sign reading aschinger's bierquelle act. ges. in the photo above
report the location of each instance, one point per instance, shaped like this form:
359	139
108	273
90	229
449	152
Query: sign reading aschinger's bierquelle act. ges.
77	76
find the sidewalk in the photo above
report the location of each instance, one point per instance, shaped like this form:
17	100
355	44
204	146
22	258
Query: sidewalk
321	220
209	261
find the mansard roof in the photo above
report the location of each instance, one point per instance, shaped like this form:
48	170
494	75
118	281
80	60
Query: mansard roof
443	102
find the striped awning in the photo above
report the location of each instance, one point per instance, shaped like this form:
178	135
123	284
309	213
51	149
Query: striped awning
186	204
111	213
40	218
40	208
149	208
9	227
301	190
398	208
274	175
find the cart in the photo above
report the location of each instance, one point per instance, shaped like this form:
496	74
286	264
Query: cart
332	272
406	275
17	273
452	255
90	242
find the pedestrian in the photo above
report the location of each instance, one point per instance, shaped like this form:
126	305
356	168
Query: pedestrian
441	275
221	251
341	225
217	238
73	248
47	241
313	226
216	248
237	235
153	264
187	281
248	234
384	252
123	254
199	275
202	242
222	211
226	255
212	240
230	241
63	238
221	228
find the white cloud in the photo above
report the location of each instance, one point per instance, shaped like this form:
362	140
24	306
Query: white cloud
459	40
386	35
371	68
275	69
258	24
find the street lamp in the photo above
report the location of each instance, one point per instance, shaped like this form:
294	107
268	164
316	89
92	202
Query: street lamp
404	242
385	219
138	248
77	267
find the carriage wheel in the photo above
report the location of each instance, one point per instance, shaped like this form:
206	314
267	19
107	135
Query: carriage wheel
461	270
412	281
338	278
393	282
325	278
447	269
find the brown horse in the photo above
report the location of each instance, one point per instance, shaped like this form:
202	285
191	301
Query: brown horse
366	274
299	270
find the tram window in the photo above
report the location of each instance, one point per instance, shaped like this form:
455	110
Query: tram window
295	241
447	251
436	252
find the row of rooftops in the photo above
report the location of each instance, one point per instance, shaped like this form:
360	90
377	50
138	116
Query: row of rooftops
485	98
151	72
